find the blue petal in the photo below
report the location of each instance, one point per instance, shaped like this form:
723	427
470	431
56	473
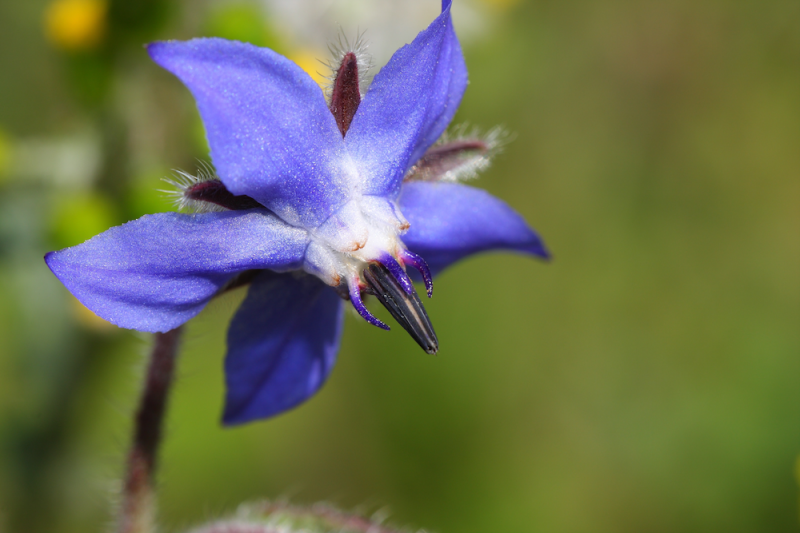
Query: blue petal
282	345
450	221
271	134
408	106
157	272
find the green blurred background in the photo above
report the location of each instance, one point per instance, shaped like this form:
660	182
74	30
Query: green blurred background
646	380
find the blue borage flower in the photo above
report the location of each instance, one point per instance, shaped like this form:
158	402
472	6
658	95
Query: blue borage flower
321	201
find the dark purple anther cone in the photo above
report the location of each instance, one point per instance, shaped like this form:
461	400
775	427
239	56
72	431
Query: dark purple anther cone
405	306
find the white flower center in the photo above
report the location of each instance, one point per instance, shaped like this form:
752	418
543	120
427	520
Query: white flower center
360	231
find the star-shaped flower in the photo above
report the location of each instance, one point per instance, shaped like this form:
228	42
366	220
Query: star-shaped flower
318	202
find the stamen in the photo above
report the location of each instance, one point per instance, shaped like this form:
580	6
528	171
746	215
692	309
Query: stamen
405	308
398	272
421	265
355	297
345	92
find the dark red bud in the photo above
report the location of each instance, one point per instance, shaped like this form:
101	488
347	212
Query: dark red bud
346	94
215	192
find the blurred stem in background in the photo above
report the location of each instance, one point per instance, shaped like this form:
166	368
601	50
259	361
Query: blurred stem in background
137	512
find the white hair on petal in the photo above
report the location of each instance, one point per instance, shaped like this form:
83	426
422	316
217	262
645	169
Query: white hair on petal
495	140
340	48
462	164
183	181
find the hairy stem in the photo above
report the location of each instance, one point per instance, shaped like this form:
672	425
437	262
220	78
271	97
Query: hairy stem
137	511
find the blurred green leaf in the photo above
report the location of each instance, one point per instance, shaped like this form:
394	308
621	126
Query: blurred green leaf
138	21
147	194
76	218
243	21
5	154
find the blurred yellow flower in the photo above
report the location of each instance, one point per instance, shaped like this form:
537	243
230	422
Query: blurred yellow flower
77	217
308	60
76	25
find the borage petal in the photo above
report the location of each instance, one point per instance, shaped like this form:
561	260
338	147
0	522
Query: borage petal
157	272
271	134
282	345
408	106
450	221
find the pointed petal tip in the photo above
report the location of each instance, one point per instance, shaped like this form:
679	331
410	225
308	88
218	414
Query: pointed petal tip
238	416
153	49
240	413
541	251
230	419
159	52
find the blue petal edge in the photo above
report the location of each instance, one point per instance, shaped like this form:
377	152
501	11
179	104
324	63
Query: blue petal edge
155	273
450	221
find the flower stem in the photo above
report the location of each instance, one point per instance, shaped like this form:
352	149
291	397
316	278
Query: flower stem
137	512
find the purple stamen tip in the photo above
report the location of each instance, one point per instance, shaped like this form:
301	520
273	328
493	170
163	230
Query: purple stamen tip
355	298
397	271
422	266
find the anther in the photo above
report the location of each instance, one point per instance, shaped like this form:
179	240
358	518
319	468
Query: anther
405	307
